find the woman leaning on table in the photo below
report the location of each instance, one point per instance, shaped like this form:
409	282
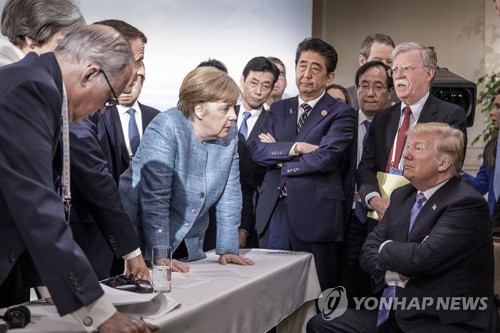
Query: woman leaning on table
188	161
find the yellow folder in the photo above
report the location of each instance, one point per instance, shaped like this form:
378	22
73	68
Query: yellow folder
387	183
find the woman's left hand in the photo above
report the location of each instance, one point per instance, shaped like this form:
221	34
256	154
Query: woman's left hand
234	259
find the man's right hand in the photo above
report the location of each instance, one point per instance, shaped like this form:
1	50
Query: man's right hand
121	323
380	205
304	148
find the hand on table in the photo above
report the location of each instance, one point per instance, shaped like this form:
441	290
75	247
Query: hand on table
121	323
234	259
178	266
137	267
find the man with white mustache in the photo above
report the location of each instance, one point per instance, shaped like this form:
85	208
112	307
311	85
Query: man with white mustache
414	67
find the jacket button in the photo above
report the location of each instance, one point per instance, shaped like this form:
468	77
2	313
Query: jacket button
12	257
194	211
202	195
186	225
87	321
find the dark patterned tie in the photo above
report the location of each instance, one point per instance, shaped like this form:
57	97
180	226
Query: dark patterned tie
133	132
307	110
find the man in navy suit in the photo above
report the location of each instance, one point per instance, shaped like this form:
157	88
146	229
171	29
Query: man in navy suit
432	250
36	243
303	203
414	67
99	223
257	81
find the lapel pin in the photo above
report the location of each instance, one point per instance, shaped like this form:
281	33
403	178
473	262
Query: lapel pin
291	111
434	207
324	113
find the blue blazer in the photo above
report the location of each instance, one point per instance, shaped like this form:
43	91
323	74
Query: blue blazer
483	182
34	232
317	197
174	179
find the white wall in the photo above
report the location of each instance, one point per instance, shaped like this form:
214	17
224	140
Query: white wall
182	33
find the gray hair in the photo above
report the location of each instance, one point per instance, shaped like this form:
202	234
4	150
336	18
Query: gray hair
97	44
39	20
427	54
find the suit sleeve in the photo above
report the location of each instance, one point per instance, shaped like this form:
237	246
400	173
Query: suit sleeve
461	230
29	131
269	154
98	190
332	147
480	182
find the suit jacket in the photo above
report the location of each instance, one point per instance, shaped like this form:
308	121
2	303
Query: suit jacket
32	216
173	181
99	223
317	203
147	114
383	131
448	253
251	174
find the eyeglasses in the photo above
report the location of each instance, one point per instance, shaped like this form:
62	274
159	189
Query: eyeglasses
405	69
110	102
365	88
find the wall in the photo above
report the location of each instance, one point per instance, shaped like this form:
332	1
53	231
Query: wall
464	33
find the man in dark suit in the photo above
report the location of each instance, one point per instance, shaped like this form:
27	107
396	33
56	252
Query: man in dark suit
414	66
432	249
302	204
257	81
99	223
36	242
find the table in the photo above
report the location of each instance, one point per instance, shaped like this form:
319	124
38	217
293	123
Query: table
281	289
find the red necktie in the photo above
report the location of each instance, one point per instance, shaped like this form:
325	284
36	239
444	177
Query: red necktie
401	139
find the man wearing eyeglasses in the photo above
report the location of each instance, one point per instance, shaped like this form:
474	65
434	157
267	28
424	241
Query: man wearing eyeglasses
374	87
414	67
100	225
376	47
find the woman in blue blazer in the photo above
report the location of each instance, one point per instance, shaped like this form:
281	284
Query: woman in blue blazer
188	161
483	182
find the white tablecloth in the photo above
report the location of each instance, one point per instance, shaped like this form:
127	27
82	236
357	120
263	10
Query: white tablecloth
277	285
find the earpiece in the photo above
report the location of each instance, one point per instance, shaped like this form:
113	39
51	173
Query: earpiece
17	317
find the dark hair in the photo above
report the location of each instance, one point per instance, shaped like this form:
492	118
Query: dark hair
214	63
128	31
38	20
375	63
321	47
261	64
366	46
341	88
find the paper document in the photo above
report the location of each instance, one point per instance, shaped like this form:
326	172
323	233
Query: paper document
186	280
215	273
387	183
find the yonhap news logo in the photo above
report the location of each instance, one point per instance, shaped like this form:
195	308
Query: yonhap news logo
333	303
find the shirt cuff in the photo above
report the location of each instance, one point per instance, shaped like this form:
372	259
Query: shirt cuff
132	254
368	197
95	314
292	150
44	292
394	279
383	244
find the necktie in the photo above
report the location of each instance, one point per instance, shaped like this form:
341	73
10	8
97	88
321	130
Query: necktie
400	140
244	125
359	209
133	131
307	110
496	176
390	291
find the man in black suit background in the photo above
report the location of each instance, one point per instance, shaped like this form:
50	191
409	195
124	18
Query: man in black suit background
432	249
100	225
414	67
36	242
256	82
